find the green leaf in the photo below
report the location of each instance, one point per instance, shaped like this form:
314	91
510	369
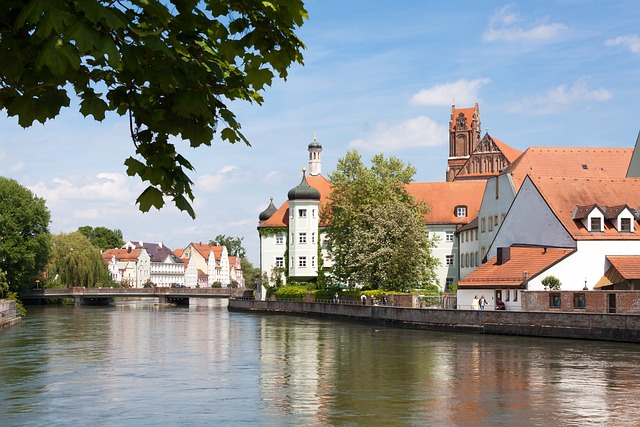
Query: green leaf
92	104
150	197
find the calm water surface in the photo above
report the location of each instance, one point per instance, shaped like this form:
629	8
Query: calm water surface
139	364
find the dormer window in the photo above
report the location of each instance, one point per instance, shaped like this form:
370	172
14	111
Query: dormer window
625	224
595	223
461	211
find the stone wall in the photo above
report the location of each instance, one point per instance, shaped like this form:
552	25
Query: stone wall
620	302
612	327
8	314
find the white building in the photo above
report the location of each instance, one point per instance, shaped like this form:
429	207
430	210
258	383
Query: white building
130	267
166	268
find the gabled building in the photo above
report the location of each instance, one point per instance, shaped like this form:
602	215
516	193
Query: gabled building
470	157
130	267
212	260
166	269
571	228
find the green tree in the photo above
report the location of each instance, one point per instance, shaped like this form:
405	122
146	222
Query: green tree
102	237
377	234
249	273
172	67
233	244
76	262
4	285
25	241
552	282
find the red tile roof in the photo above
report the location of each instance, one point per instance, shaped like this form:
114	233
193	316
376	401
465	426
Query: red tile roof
444	197
628	266
564	194
509	152
569	161
524	261
123	255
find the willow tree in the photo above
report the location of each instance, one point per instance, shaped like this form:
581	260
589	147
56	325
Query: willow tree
377	234
171	67
76	262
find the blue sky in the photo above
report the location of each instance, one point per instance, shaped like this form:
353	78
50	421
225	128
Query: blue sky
377	78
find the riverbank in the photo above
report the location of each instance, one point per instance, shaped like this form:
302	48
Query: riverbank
590	326
8	314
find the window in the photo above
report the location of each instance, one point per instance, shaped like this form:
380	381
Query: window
495	220
313	237
302	238
279	239
482	225
596	223
508	295
579	300
313	213
502	217
554	300
279	261
448	260
490	224
302	261
515	295
466	260
313	261
448	282
461	211
449	236
625	224
302	213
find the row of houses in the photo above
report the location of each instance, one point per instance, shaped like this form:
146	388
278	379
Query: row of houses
140	264
504	219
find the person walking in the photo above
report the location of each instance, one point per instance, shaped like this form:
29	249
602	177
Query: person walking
475	303
483	302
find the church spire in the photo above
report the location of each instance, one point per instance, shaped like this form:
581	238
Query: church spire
315	163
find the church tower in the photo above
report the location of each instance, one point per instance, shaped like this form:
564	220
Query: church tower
464	136
315	164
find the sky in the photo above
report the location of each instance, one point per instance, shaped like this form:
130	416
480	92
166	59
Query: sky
378	77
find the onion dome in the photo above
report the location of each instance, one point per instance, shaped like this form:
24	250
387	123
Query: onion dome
303	191
315	143
267	213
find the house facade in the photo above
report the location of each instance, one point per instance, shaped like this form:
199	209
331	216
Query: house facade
166	269
212	260
129	267
572	228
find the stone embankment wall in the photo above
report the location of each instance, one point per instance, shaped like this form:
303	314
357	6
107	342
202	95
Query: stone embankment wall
8	314
610	327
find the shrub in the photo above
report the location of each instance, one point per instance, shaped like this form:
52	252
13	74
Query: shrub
551	282
291	292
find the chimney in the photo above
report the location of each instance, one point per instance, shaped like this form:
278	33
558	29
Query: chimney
504	255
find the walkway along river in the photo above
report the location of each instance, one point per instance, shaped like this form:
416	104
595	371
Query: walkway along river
144	364
610	327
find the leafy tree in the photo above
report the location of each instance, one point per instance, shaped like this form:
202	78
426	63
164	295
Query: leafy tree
25	241
233	244
377	235
102	237
249	273
4	285
170	66
76	262
551	282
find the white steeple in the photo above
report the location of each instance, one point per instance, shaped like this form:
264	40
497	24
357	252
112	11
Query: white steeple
315	164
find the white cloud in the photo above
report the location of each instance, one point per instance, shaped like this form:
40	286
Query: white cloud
17	167
552	100
462	91
103	187
631	42
507	25
219	181
418	132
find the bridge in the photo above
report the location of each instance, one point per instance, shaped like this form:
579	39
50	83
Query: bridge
178	296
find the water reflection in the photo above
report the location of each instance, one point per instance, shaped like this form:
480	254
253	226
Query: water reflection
145	364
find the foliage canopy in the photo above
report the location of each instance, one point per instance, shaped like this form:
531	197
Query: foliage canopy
25	241
170	66
102	237
76	262
377	235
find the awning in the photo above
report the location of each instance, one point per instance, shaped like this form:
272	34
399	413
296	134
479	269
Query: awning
611	277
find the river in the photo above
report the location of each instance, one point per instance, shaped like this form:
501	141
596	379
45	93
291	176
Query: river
142	364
